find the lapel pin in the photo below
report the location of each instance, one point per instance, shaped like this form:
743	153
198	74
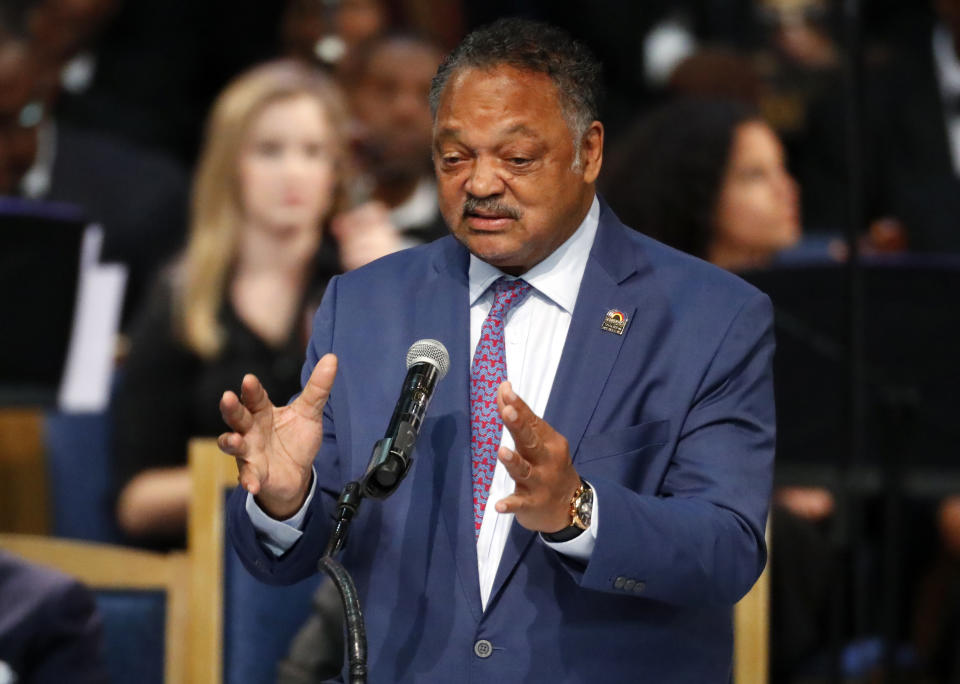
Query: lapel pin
614	321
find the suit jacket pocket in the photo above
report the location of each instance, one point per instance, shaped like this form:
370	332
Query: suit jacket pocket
623	441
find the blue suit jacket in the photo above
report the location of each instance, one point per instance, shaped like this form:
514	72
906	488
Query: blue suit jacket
50	630
671	422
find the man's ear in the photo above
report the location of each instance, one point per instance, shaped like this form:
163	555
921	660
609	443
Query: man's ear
591	152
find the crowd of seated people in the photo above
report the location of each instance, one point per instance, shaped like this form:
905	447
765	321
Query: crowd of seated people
710	177
45	158
318	161
278	209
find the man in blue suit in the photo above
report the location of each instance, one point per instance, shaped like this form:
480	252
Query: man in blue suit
626	510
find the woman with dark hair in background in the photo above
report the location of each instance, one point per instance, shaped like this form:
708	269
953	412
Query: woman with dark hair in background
709	177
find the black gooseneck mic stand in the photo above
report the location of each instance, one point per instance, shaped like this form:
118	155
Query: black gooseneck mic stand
381	468
347	506
388	465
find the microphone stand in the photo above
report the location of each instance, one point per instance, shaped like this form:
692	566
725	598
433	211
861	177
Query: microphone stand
388	465
384	473
347	506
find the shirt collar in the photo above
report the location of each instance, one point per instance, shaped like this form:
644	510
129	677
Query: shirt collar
558	276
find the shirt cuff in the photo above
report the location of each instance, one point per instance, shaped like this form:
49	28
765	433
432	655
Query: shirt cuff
581	546
278	536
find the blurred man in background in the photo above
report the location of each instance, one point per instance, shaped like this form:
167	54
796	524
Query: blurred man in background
388	80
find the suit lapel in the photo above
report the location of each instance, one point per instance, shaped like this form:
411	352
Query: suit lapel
444	314
588	355
590	351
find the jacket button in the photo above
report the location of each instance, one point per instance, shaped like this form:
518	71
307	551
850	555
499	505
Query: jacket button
629	584
483	649
639	587
618	583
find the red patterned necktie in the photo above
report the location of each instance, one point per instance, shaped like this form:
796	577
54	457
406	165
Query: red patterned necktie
488	371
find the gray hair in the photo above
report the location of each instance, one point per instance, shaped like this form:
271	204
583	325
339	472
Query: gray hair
532	46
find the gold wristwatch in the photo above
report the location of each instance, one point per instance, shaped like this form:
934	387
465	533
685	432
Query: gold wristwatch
581	510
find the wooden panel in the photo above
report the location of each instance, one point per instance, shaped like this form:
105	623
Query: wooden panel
24	499
751	631
101	565
211	472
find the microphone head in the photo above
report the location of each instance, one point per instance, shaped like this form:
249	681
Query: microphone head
432	352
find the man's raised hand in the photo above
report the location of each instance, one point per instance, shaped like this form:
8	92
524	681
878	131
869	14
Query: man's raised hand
540	466
275	445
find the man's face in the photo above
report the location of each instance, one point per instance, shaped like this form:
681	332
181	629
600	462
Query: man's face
391	102
504	157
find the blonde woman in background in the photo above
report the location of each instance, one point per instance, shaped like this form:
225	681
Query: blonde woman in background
271	175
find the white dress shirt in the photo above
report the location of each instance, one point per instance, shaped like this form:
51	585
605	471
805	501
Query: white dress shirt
534	335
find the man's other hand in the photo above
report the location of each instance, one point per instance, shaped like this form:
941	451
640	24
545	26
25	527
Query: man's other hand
540	466
275	446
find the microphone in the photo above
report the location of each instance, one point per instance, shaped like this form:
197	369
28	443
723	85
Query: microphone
427	363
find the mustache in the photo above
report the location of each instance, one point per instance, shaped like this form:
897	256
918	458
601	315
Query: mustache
490	205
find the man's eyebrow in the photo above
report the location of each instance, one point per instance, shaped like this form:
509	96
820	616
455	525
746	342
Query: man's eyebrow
447	132
453	132
521	128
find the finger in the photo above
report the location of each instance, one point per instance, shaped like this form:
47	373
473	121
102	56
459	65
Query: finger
249	474
517	466
317	390
510	504
529	432
253	395
232	444
249	477
234	413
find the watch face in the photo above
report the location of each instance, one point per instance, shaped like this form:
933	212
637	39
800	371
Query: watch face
584	508
583	512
